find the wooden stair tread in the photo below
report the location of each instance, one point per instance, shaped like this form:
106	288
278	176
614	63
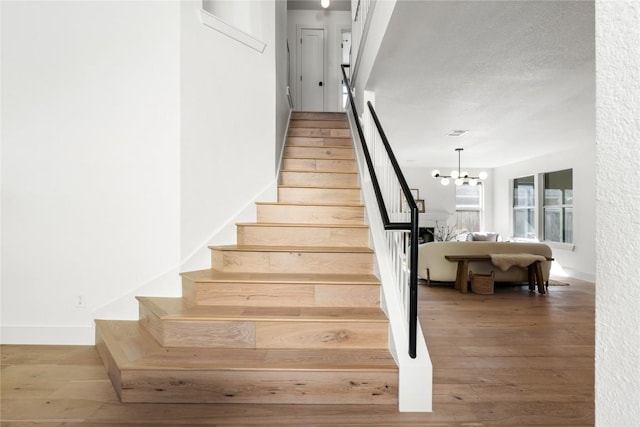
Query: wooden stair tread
300	225
318	124
216	276
313	249
320	147
120	335
343	204
295	162
314	115
175	309
323	187
323	204
318	172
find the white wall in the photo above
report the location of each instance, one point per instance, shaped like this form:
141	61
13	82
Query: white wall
577	260
245	15
228	110
90	160
331	21
132	137
618	210
367	49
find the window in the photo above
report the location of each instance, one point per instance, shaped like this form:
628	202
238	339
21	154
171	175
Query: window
469	202
558	206
524	207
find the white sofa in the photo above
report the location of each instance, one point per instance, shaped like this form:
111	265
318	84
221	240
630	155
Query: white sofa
432	265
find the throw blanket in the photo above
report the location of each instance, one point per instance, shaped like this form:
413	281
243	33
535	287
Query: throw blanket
506	261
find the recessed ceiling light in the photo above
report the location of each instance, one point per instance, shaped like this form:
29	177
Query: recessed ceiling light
457	132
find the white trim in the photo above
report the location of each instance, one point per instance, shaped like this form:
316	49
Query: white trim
284	143
588	277
225	28
246	213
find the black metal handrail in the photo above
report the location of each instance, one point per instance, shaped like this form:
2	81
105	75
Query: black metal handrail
388	225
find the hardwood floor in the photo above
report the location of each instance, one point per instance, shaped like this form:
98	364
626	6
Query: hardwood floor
513	358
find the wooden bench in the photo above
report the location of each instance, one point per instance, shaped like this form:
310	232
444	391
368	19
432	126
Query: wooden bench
462	275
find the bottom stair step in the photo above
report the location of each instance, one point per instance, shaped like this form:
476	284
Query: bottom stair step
143	371
176	324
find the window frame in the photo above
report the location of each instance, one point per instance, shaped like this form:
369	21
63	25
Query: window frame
480	208
529	207
563	207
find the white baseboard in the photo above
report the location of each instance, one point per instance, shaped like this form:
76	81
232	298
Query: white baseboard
557	271
581	275
48	335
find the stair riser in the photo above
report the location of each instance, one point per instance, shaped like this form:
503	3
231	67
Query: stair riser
265	334
107	359
262	387
318	195
321	133
301	335
312	214
319	179
322	124
308	141
319	165
303	236
309	115
292	262
332	153
278	295
186	333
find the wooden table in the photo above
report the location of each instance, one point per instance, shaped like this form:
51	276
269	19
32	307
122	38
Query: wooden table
462	275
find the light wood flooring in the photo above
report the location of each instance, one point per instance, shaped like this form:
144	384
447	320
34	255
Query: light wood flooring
513	358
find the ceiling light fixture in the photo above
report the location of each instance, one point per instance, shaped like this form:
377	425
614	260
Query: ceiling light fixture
324	3
459	177
456	133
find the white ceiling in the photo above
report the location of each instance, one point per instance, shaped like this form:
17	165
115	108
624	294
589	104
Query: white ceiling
519	75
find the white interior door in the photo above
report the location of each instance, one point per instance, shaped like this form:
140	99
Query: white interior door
345	55
345	47
312	69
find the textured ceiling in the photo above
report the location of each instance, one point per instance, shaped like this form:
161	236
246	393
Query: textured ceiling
519	75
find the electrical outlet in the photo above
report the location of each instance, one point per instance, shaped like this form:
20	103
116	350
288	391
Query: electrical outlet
81	302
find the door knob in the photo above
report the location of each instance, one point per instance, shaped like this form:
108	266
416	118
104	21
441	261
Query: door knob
319	83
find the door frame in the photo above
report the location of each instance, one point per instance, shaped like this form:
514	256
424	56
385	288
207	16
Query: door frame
299	28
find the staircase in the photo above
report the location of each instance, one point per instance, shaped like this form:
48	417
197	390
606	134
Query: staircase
291	314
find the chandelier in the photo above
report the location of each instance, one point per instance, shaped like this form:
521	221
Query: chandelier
459	177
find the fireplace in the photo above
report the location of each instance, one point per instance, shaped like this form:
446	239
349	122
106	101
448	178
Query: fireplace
425	234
